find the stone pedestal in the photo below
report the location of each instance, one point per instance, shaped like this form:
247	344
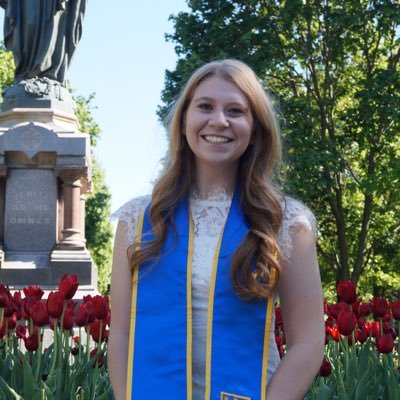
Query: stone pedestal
44	176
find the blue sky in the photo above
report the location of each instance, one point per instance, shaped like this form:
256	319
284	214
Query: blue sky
122	57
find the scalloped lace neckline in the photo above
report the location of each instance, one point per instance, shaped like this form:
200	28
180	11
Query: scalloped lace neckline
219	195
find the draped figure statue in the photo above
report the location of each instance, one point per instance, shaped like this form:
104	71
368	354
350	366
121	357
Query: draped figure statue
43	35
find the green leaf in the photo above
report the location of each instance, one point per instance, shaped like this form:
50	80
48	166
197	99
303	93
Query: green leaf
11	393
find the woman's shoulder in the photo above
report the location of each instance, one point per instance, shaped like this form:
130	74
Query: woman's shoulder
129	214
297	217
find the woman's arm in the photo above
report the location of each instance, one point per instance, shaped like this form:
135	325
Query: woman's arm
121	290
302	309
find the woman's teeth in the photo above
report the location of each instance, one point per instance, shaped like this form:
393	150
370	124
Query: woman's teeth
216	139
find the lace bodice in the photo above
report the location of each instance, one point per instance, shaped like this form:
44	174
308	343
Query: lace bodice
209	213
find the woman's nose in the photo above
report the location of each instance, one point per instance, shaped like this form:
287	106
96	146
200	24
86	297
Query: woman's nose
218	120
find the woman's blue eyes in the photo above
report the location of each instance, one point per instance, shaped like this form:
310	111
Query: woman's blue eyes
232	111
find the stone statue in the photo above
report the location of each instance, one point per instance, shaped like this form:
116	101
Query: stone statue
43	35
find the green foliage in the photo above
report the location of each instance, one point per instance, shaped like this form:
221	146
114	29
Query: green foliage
99	231
98	227
359	372
334	69
6	69
87	124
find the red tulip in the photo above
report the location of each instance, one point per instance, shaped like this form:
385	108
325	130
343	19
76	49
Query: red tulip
88	300
15	305
361	322
12	321
278	318
347	291
33	291
333	309
325	307
27	304
279	340
68	285
55	304
75	351
364	309
4	296
356	307
385	343
101	307
395	306
362	336
372	328
380	307
39	314
95	331
326	368
347	321
32	341
82	315
21	330
69	318
100	360
334	332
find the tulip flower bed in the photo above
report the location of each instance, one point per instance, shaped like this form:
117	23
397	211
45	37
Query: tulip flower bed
362	349
71	367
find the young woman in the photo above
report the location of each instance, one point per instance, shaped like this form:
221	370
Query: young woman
199	264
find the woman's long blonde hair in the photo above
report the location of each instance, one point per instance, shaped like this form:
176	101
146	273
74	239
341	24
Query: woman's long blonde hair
259	198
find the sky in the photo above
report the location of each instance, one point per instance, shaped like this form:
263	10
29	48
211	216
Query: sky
122	58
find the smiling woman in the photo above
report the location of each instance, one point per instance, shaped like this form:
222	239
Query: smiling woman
204	259
218	129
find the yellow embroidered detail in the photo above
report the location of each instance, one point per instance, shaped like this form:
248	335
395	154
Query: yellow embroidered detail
230	396
210	318
133	315
189	339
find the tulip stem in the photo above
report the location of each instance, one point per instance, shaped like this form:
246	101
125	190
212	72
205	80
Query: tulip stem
80	344
88	342
100	331
60	349
55	348
6	338
39	355
398	343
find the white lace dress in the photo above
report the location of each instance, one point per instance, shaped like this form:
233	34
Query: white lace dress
209	213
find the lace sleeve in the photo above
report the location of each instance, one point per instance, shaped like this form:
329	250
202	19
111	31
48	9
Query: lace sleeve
298	215
129	213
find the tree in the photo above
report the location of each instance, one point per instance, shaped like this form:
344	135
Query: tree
98	205
6	69
98	228
333	67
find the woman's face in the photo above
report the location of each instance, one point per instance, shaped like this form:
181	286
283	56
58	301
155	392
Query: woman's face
218	124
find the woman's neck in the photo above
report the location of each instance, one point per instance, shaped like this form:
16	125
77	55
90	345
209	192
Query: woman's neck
210	180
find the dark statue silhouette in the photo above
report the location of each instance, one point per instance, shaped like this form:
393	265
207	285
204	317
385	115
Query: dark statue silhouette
43	35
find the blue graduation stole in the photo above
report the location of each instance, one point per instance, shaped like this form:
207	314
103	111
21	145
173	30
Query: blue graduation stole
160	345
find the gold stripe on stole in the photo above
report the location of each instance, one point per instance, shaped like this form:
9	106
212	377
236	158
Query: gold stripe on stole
210	317
133	315
189	327
266	347
267	336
